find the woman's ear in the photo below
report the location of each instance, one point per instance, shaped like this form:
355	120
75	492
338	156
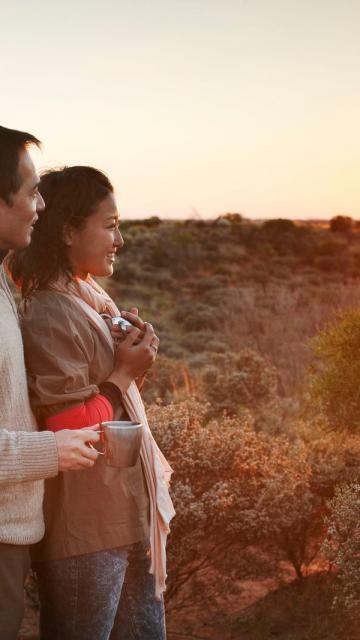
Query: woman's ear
68	233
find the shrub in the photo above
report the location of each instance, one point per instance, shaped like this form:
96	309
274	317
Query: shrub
197	341
279	226
341	224
197	317
329	247
335	386
167	380
342	547
331	263
246	380
235	490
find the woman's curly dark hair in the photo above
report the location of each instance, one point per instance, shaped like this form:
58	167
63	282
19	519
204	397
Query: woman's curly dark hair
71	195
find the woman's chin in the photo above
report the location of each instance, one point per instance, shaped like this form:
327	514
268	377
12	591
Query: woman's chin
103	273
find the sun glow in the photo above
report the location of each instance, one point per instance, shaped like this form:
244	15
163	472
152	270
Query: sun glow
239	106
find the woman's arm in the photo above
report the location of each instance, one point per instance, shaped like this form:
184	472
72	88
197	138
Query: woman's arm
64	355
102	408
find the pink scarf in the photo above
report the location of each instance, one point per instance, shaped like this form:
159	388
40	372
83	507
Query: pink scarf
94	300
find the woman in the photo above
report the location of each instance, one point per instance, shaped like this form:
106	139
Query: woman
105	528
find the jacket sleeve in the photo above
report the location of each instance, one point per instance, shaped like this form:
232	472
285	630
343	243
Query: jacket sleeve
59	348
65	360
27	455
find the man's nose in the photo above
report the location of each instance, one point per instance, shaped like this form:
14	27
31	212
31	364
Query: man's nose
40	204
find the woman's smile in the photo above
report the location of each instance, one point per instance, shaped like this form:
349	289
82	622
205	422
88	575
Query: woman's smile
92	248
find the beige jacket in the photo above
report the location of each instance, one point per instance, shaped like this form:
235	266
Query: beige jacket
93	509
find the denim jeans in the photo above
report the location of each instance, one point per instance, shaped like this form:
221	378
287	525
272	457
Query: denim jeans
107	595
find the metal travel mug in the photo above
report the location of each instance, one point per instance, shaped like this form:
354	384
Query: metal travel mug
122	441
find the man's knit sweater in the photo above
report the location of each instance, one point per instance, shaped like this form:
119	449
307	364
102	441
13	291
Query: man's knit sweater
26	456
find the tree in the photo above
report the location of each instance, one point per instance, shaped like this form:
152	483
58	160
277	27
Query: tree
153	221
335	385
234	218
341	224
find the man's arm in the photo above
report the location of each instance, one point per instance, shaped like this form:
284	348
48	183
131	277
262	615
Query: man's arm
26	456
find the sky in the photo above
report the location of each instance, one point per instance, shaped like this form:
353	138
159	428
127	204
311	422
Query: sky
193	107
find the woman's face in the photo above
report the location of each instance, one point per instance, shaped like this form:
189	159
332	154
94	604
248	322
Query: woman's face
92	248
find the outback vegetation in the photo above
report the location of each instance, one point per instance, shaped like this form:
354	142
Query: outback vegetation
254	398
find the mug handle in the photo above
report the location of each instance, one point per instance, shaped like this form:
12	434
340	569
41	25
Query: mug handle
102	439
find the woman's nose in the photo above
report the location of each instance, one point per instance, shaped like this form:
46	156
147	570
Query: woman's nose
119	240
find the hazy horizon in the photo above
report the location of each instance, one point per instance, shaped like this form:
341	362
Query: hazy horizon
259	219
248	106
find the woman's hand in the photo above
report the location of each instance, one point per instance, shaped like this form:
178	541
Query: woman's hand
131	316
133	358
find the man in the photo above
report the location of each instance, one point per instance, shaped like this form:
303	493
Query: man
26	456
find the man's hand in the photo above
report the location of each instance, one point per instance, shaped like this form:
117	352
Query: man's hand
74	452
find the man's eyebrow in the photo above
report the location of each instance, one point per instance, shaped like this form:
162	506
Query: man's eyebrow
35	186
115	216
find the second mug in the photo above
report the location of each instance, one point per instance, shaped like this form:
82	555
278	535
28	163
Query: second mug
122	441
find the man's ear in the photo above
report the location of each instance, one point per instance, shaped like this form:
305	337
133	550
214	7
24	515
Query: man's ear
3	205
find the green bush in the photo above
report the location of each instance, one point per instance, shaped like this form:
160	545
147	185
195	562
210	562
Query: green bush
342	547
244	381
335	386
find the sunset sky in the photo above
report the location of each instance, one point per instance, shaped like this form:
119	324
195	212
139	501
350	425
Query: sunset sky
193	107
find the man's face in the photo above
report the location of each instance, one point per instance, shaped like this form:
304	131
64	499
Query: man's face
18	218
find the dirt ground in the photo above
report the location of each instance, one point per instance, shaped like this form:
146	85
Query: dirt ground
261	610
189	627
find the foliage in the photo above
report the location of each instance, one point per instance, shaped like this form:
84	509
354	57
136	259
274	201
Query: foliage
234	303
335	386
341	224
245	380
300	610
235	490
234	218
330	264
209	288
342	546
167	380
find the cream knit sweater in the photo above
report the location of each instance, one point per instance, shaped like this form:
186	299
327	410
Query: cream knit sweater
26	456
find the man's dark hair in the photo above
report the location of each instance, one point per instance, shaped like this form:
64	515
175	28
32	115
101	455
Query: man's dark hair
11	143
72	195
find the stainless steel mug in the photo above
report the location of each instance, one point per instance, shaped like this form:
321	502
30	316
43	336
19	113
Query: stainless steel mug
122	441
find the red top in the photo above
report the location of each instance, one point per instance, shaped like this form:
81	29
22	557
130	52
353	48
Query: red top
89	413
